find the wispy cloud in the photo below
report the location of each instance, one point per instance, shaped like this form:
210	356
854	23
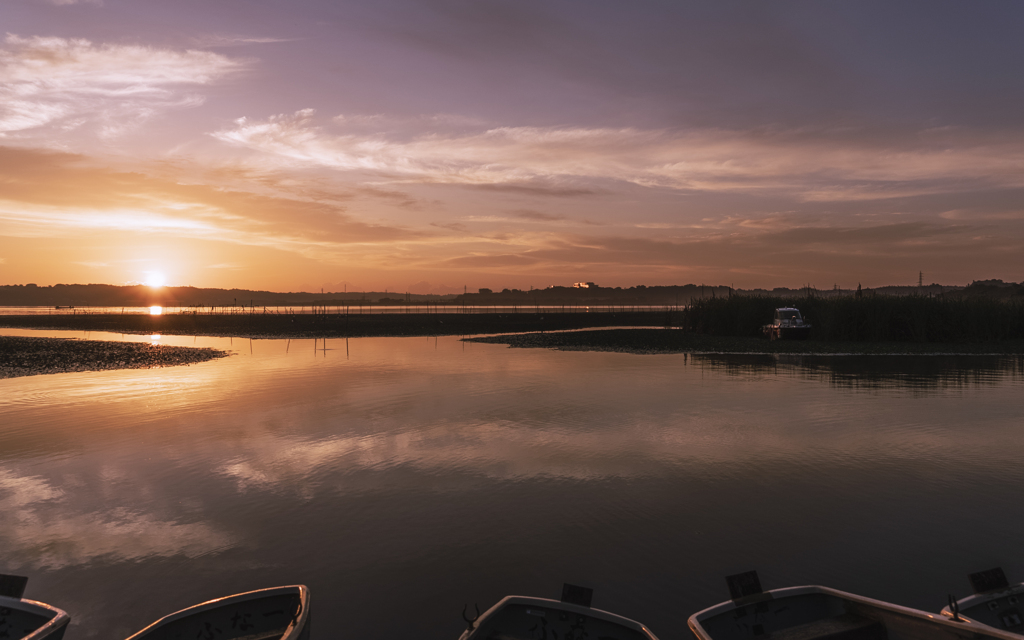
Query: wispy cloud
826	165
538	216
47	193
71	82
220	40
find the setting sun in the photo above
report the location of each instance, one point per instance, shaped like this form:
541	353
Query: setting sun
155	279
156	311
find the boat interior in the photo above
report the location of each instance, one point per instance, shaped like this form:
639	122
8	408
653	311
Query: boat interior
994	602
279	613
525	618
820	613
22	619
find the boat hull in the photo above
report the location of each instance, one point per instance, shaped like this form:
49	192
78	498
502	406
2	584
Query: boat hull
515	617
30	620
1000	608
815	612
277	613
773	332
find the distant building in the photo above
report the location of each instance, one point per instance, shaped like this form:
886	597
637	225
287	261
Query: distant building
584	285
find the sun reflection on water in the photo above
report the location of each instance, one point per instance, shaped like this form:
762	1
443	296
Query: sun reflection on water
156	310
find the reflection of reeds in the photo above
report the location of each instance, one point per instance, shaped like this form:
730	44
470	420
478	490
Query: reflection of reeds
877	318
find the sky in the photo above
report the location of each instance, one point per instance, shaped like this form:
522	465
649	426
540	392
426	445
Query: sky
431	145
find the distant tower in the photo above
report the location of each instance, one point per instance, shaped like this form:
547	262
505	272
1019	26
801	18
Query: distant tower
920	279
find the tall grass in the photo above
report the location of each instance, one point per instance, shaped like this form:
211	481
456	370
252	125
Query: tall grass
876	318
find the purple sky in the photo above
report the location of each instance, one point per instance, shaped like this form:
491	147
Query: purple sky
428	145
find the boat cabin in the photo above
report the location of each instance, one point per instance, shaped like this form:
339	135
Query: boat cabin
788	324
788	317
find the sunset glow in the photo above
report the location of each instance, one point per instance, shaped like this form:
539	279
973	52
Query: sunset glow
355	147
155	279
156	311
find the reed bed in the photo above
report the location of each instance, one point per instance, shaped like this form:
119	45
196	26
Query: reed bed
867	319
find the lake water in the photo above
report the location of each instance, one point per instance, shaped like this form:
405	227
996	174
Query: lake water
401	478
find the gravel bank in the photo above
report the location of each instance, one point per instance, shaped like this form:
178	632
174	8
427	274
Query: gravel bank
675	341
21	356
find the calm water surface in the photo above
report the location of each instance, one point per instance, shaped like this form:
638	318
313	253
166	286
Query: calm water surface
401	478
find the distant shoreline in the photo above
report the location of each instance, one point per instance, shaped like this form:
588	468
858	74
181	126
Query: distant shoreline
647	332
32	356
339	325
662	341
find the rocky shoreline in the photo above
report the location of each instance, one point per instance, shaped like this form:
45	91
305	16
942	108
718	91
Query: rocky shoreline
654	341
30	356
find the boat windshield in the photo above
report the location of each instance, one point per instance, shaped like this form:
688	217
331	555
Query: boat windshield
788	314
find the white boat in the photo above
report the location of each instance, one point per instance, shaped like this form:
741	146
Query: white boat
278	613
816	613
994	602
22	619
787	325
526	618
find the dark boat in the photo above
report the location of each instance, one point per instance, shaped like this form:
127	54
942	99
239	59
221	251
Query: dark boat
278	613
994	602
526	618
788	325
819	613
22	619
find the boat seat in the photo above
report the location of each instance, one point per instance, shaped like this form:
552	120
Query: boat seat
844	627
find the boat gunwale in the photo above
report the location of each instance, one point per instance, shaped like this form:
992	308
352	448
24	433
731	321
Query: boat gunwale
975	599
57	617
600	614
292	631
695	620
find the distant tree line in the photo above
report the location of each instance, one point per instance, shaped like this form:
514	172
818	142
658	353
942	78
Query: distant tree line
106	295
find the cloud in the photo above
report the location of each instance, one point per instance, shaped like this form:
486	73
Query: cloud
215	40
70	82
823	165
451	226
507	260
539	216
52	194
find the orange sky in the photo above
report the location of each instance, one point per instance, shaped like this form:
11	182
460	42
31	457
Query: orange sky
427	146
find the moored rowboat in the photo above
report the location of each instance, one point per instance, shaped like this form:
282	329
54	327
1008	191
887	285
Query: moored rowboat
30	620
994	603
816	613
526	618
277	613
22	619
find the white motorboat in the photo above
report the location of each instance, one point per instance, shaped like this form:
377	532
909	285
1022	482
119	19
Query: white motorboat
818	613
571	618
277	613
22	619
787	325
994	602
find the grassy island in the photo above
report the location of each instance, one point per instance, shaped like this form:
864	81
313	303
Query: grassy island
651	341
